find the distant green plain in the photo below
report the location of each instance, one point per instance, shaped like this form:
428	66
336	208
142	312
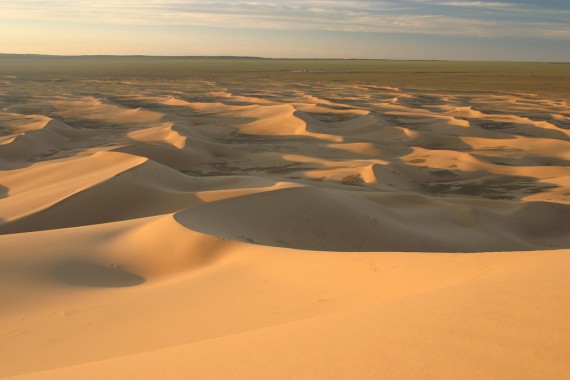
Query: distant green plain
541	78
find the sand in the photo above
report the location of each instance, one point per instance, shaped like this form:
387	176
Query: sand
275	230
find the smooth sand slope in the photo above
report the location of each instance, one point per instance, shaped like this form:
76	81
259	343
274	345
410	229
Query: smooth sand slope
187	229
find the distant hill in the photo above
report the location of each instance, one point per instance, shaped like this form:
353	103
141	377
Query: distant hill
107	56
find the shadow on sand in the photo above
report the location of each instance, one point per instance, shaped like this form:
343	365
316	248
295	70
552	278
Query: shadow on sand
89	274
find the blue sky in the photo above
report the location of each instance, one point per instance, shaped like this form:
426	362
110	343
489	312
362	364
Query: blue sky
410	29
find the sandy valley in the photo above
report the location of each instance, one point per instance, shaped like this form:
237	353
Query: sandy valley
259	229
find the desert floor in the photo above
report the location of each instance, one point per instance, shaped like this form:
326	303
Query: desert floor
188	229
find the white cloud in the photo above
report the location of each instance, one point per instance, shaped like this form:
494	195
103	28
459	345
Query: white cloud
468	4
412	16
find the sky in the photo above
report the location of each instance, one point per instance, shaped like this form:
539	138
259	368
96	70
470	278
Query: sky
523	30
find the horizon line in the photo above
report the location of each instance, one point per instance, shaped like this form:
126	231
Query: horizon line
262	58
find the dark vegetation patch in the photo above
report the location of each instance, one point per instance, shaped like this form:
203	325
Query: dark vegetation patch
352	179
500	187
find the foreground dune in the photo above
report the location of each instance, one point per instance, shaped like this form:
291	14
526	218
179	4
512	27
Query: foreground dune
199	230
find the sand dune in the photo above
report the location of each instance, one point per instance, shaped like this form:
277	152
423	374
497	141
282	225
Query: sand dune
320	219
371	340
27	136
194	229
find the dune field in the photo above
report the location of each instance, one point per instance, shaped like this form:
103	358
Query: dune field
259	229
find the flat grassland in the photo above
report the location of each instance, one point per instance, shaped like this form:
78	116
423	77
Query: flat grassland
209	218
551	78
